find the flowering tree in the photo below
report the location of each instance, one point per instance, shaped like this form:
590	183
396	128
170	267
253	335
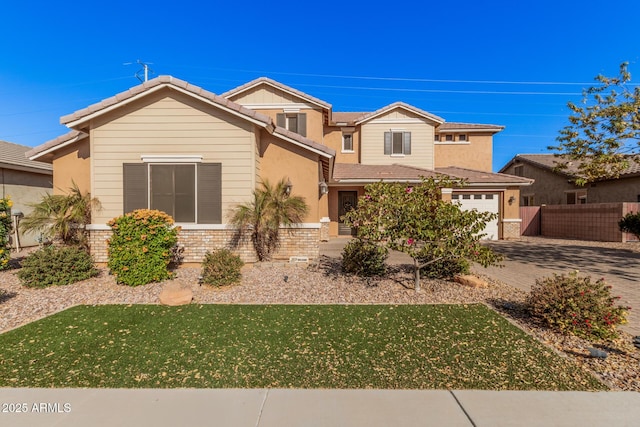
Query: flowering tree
5	231
415	220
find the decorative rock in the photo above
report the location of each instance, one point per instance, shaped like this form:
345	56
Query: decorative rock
470	280
174	294
597	353
636	341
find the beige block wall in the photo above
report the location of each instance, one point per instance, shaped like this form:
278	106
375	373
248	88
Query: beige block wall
72	164
372	140
281	159
24	188
477	154
170	123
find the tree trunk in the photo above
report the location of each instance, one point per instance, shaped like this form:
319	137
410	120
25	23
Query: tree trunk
416	269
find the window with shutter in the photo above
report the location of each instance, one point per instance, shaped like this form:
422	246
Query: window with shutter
294	122
190	193
397	143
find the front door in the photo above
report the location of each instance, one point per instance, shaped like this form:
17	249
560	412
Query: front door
347	200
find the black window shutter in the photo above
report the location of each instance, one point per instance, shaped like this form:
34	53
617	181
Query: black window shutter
406	140
387	143
135	186
302	124
210	193
280	121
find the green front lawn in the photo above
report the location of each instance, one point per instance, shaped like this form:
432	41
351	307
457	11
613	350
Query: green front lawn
283	346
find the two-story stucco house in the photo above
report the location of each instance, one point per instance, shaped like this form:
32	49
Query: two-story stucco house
169	145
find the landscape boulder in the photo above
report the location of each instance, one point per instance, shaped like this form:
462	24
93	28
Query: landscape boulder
174	294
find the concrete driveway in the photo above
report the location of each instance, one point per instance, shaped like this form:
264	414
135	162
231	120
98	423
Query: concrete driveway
532	258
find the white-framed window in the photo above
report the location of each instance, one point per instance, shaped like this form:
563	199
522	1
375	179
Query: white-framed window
528	200
347	143
397	143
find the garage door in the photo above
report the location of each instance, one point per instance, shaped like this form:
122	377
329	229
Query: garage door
484	202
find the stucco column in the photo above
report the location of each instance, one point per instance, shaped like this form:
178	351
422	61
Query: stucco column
446	194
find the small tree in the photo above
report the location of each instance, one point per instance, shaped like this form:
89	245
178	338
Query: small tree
61	217
5	231
415	220
631	224
603	134
270	208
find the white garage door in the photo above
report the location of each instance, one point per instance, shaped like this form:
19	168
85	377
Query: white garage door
483	202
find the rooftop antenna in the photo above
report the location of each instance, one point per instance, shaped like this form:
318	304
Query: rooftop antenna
145	70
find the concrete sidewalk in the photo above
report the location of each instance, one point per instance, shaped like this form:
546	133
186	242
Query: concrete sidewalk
285	407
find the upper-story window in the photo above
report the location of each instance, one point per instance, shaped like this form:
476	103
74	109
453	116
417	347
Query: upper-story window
462	137
397	143
347	143
295	122
518	170
436	138
448	137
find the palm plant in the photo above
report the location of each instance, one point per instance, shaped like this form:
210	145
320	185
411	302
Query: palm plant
61	217
270	208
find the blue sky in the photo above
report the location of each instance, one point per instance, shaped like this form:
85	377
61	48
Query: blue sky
466	61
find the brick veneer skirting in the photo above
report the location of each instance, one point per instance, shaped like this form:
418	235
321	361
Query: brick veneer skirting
511	230
303	242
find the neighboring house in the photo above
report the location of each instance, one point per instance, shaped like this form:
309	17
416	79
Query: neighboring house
25	182
169	145
552	187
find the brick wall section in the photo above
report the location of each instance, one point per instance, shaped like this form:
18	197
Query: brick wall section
596	221
302	242
511	230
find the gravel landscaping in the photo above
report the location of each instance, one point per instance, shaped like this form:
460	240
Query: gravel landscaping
317	284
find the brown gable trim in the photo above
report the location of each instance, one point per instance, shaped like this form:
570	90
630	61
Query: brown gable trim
468	127
473	177
404	106
265	80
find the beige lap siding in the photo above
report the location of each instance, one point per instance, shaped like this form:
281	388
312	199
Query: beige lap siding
302	242
171	124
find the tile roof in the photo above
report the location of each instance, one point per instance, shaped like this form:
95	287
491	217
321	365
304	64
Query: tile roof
469	127
481	177
366	173
278	85
305	141
169	81
348	118
369	116
550	161
394	172
12	156
74	135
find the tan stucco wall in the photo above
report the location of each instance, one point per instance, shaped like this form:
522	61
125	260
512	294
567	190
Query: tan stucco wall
170	123
72	164
333	139
263	98
24	188
620	190
372	140
476	154
511	211
281	159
